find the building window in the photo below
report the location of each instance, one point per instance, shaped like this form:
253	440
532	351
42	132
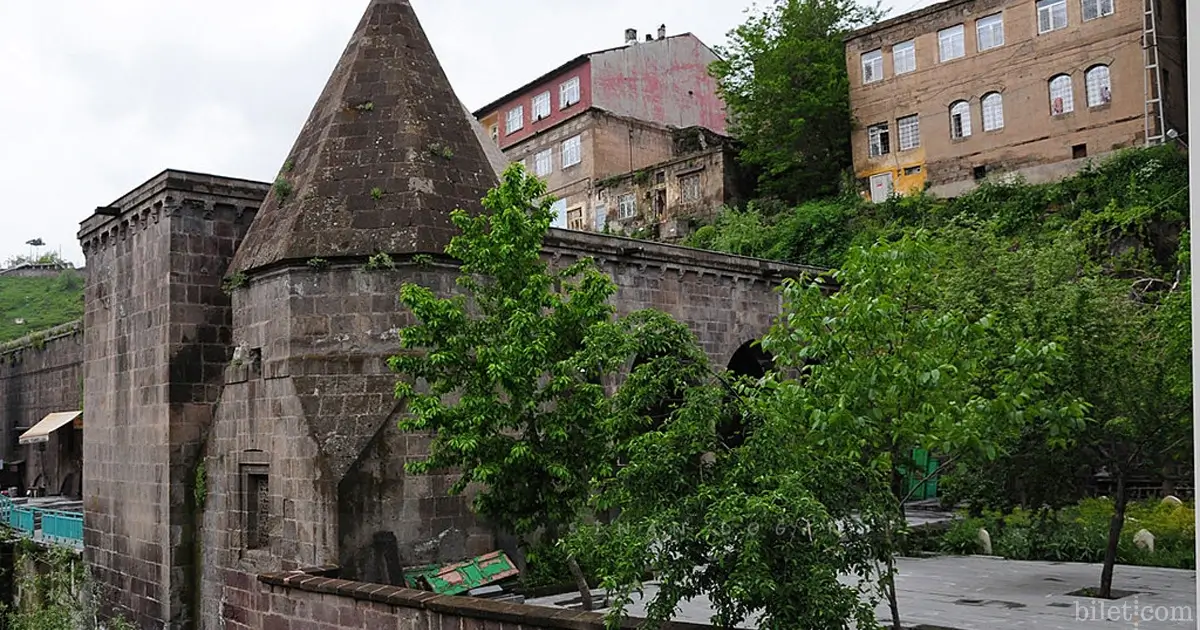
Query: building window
626	206
568	93
256	505
909	130
950	43
541	107
1093	9
1052	15
872	65
575	218
904	57
570	152
989	32
516	119
1062	101
689	187
912	170
1078	151
960	120
601	217
495	133
543	163
993	111
878	140
1099	90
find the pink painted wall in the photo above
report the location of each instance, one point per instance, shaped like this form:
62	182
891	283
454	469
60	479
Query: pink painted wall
665	81
557	114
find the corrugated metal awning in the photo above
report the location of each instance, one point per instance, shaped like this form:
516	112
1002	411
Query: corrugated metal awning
41	431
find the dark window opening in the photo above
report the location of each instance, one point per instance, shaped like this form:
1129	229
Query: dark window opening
750	361
660	177
980	172
256	500
1079	151
912	170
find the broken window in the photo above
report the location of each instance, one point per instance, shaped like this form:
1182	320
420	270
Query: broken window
568	93
1052	15
601	217
950	43
910	132
1099	90
541	107
872	65
960	120
1093	9
626	206
516	119
912	170
1062	101
571	154
904	57
689	187
1078	151
543	163
878	140
989	31
575	218
993	111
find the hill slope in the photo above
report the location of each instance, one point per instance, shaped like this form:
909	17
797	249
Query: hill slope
28	305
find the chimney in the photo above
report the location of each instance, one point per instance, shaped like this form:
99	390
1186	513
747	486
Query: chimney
630	36
649	37
662	31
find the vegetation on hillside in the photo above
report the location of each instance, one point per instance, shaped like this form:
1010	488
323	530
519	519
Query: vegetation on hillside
29	305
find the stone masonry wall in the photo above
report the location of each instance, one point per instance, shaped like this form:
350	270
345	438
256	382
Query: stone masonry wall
304	601
39	375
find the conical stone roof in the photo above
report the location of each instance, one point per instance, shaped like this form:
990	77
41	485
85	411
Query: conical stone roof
386	154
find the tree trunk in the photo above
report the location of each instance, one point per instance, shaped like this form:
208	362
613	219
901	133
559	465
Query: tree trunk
585	592
890	583
1114	537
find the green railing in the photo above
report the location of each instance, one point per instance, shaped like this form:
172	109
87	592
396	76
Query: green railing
916	485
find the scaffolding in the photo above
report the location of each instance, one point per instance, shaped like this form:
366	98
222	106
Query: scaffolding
1155	127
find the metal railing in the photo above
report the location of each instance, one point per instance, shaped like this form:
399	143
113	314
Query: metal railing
51	526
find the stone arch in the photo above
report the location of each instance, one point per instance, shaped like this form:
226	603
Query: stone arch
749	360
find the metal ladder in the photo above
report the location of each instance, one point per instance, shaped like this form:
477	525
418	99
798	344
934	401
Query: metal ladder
1153	77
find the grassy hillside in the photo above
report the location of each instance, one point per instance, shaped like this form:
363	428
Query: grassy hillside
40	302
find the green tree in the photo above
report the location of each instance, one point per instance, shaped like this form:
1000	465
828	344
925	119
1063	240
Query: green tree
510	403
885	369
783	79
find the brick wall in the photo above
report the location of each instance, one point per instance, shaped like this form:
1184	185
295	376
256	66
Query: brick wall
40	375
304	601
156	333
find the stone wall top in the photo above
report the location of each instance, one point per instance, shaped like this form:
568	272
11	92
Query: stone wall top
318	580
41	337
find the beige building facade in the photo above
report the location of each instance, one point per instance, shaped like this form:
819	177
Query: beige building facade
966	90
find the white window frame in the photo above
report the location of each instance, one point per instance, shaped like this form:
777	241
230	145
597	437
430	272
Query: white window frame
575	222
960	112
540	107
515	120
1099	9
879	140
872	66
689	188
952	43
991	107
627	206
1051	16
1061	86
908	132
989	28
904	57
1098	80
572	151
568	93
543	162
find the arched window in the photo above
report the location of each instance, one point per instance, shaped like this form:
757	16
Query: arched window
960	120
993	111
1062	100
1099	89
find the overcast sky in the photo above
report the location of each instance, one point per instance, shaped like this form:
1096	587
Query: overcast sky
96	97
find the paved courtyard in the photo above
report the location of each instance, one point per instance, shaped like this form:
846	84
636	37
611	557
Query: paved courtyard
985	593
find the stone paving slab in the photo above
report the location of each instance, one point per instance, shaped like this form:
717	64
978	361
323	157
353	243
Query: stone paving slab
980	592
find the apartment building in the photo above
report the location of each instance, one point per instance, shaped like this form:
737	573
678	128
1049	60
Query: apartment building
965	90
606	114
